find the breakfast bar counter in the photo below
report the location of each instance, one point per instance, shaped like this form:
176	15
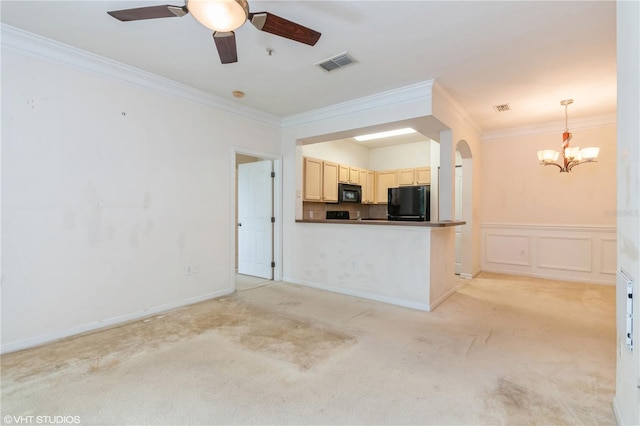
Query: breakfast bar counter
427	224
406	263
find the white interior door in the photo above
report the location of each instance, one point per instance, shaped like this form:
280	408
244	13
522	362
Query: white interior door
458	213
255	209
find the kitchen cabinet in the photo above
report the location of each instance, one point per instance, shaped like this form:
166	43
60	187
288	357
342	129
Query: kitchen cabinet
348	174
330	182
367	181
385	180
406	177
416	176
423	176
320	180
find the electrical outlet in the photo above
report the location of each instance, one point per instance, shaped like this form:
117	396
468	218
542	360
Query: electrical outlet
192	269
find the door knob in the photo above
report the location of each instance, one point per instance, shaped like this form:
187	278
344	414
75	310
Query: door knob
239	224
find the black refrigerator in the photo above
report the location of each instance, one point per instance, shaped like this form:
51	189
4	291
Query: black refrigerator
409	203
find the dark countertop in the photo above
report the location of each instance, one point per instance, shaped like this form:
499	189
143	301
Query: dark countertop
384	222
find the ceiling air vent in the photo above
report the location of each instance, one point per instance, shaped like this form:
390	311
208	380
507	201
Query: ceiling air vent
502	108
338	61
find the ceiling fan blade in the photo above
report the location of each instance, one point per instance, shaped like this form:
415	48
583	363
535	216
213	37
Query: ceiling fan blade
265	21
151	12
226	45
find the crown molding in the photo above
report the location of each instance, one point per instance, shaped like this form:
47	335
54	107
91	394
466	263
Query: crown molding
583	123
32	45
419	91
453	106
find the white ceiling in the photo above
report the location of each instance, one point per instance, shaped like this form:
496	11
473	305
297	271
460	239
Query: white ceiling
530	55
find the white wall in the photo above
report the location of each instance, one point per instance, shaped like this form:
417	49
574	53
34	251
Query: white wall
449	112
539	222
406	156
415	154
519	190
342	152
627	399
109	191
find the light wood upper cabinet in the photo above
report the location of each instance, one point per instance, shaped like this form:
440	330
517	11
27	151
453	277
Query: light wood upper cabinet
384	181
330	182
417	176
320	180
367	181
343	174
348	174
354	176
423	176
312	179
406	177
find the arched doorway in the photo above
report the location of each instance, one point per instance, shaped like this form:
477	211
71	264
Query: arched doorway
463	209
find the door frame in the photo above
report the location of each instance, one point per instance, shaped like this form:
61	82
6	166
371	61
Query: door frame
277	210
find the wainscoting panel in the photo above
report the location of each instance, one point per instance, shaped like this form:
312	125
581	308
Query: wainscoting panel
562	252
608	262
508	249
559	252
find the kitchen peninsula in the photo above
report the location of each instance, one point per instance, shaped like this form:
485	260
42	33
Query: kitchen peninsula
369	221
410	264
350	245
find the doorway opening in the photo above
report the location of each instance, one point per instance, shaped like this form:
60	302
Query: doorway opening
255	242
463	205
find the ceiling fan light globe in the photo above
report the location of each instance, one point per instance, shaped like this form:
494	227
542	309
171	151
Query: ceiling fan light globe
219	15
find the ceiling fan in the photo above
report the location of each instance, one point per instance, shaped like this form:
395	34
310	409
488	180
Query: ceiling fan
224	16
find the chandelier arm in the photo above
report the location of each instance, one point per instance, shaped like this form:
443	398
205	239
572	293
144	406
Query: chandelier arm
554	164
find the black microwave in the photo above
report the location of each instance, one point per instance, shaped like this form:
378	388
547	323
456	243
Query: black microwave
348	193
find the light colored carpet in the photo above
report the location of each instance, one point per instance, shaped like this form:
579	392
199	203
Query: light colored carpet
247	282
502	350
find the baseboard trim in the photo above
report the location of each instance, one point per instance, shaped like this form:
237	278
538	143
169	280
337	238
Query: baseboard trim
361	294
444	297
616	413
109	322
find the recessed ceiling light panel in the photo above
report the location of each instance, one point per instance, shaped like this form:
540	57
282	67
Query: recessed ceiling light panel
388	134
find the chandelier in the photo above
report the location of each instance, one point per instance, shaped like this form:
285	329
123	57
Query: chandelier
571	156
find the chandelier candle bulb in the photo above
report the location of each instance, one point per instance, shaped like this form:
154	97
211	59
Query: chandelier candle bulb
547	156
572	152
590	153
